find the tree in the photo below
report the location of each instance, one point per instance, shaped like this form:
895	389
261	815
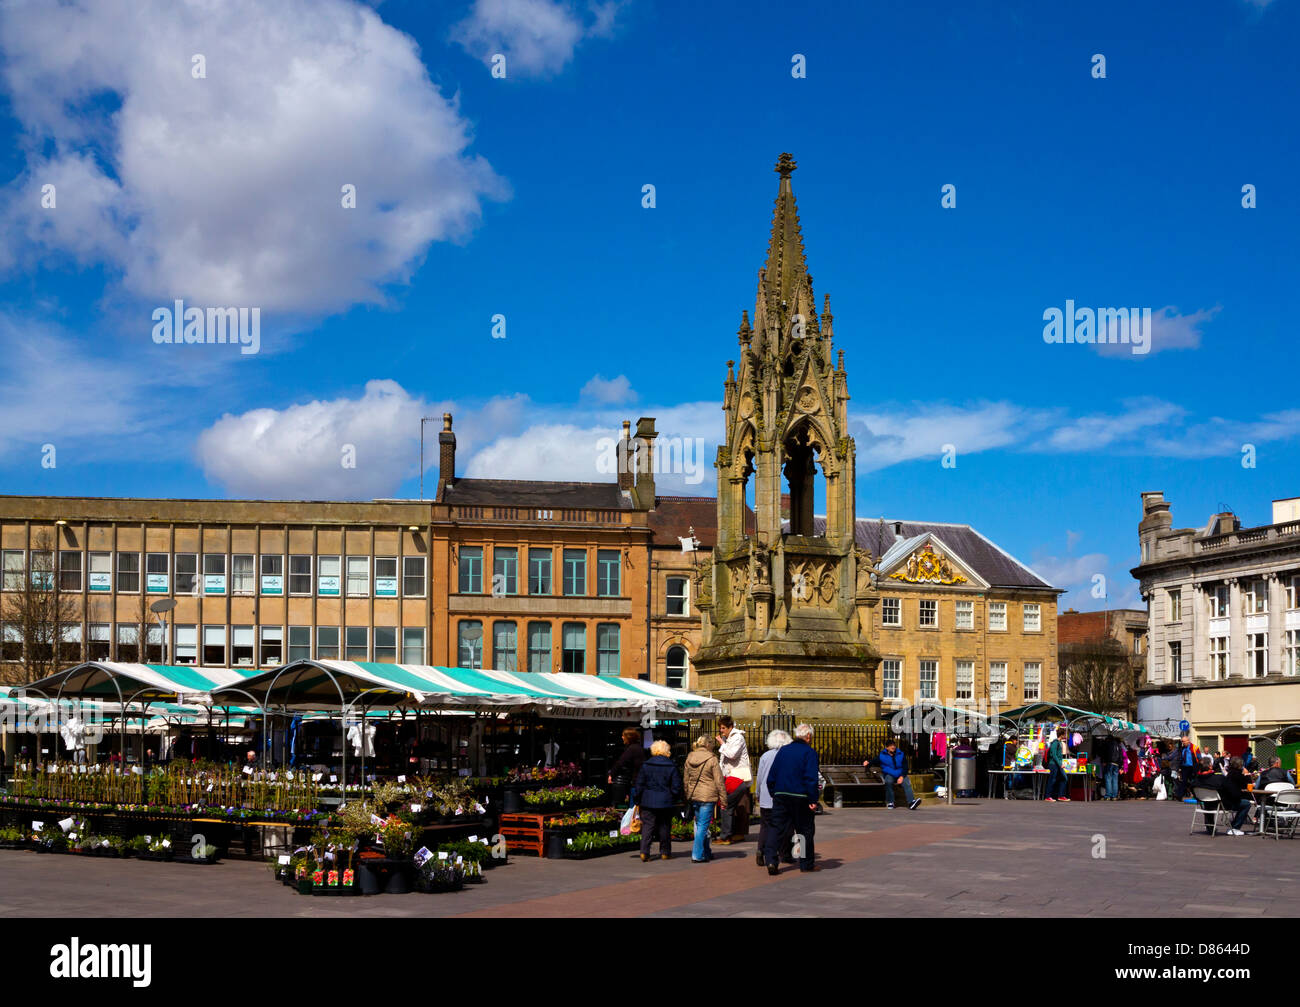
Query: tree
1097	676
36	617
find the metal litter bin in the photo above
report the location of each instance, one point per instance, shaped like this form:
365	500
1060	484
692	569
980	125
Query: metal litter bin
963	771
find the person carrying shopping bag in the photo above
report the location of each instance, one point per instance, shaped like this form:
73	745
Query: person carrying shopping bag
705	787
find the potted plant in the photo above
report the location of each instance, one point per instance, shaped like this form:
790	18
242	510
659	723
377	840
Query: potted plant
12	838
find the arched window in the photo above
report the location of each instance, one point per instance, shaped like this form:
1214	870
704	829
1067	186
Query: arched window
678	665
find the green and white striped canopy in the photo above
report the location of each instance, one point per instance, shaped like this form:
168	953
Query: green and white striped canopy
327	685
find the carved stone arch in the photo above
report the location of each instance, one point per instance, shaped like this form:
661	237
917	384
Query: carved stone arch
675	640
811	430
744	450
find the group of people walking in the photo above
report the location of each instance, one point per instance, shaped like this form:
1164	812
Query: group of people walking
716	777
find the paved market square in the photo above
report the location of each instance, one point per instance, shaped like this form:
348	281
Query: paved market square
977	858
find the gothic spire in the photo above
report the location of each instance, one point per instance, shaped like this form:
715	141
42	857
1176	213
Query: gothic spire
785	262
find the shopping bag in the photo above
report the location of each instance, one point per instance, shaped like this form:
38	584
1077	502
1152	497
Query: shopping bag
629	818
1158	788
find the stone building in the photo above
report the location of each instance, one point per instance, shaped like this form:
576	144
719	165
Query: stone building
1103	659
960	620
1223	623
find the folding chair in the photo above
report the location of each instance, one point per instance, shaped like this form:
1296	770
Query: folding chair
1209	806
1286	809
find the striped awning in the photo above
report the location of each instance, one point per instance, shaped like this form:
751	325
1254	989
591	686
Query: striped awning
327	685
128	682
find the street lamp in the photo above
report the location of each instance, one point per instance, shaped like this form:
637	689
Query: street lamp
158	608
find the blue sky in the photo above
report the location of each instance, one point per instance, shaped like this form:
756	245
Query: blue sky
521	196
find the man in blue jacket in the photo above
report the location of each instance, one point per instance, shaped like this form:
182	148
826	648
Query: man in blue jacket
892	763
795	787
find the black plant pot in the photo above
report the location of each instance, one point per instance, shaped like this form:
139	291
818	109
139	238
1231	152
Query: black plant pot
401	879
511	803
556	842
369	881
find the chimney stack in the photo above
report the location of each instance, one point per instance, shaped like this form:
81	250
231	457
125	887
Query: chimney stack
626	459
446	453
644	491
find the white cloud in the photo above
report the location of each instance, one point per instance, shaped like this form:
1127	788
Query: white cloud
109	402
1098	431
911	432
295	451
609	391
1169	331
227	190
537	37
301	451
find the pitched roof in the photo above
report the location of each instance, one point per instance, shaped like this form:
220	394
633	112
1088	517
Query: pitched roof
998	567
674	517
535	493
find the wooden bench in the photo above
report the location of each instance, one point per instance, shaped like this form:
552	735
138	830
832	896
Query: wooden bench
858	780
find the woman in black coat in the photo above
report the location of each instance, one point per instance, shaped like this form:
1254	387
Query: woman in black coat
626	767
657	789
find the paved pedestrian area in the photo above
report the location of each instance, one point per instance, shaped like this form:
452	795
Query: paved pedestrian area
976	858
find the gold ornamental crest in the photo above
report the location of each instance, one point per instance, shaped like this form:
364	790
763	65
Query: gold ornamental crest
925	566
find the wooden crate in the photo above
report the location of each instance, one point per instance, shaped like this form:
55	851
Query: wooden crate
524	832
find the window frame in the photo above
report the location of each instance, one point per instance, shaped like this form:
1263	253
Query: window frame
205	645
994	680
349	562
291	575
681	600
210	587
960	665
271	583
578	665
578	559
251	646
473	643
544	566
387	591
958	611
262	648
407	578
932	609
604	587
897	609
886	678
249	576
80	571
931	666
195	575
406	646
1025	697
469	569
119	573
324	589
670	667
1036	609
333	650
537	652
390	650
603	650
505	568
510	649
998	620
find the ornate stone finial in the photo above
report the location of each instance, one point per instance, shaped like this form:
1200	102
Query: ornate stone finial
785	165
840	366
